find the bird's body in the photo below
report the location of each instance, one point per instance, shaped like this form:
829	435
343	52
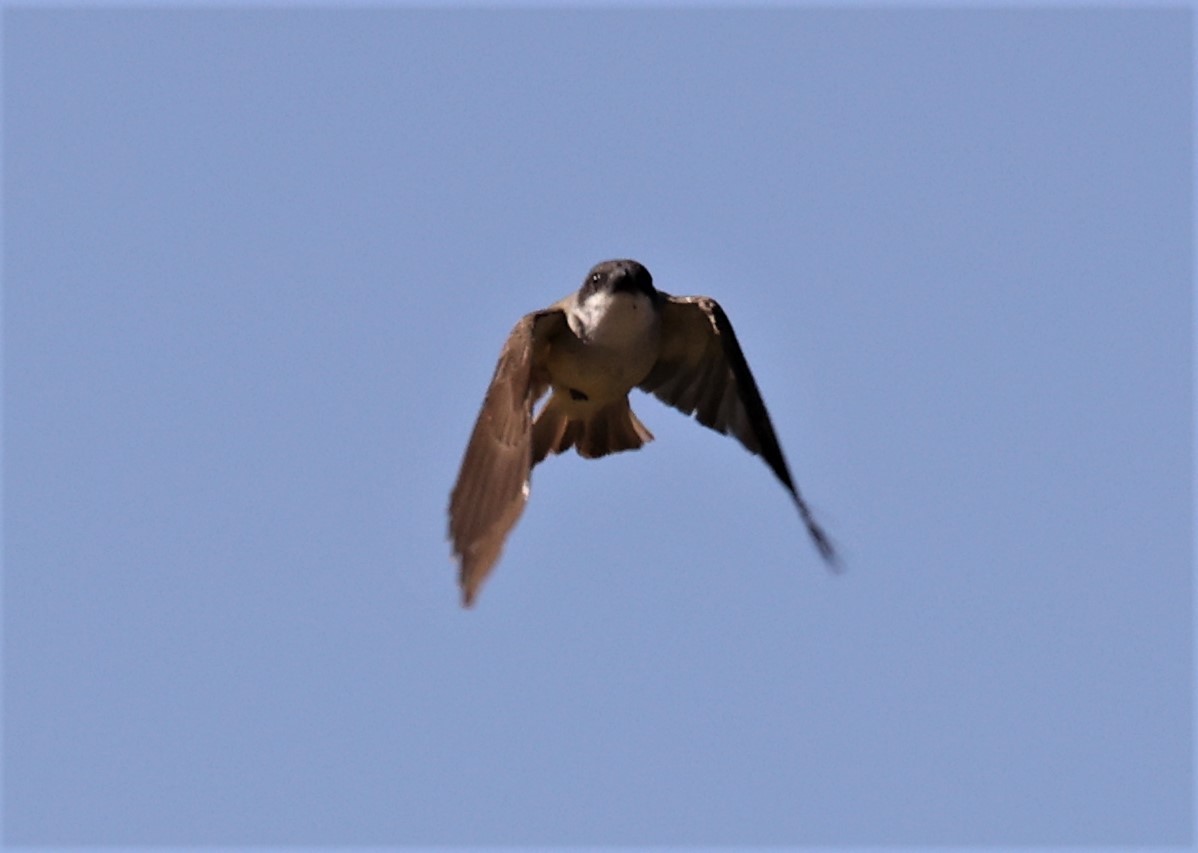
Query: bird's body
613	346
590	349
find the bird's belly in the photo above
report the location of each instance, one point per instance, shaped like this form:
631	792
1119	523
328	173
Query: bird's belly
599	373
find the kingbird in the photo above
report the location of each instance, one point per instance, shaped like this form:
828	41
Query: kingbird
616	333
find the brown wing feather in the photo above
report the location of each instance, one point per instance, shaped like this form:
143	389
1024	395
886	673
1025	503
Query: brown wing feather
702	370
493	483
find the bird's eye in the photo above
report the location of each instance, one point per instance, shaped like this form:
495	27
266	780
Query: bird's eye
595	278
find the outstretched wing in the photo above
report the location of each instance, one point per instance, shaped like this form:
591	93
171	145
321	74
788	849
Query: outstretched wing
493	484
701	370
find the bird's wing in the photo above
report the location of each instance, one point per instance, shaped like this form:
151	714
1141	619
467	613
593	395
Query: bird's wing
493	483
701	370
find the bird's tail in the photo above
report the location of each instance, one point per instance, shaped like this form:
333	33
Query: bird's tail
608	430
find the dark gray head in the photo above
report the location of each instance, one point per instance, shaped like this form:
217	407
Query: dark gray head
621	276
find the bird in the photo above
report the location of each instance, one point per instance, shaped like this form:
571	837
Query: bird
589	350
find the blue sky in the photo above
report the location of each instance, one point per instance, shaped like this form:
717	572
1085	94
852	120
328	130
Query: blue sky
258	266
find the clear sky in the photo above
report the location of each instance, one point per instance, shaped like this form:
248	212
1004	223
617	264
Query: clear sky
258	266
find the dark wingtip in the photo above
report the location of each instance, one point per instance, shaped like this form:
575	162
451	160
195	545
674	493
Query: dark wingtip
823	543
825	547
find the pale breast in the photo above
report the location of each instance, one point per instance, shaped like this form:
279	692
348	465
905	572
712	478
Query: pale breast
613	348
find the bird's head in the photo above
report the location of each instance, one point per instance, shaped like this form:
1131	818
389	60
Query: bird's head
619	276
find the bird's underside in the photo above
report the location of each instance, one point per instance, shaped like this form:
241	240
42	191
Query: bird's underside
688	357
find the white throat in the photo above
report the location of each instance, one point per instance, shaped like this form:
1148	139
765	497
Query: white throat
616	320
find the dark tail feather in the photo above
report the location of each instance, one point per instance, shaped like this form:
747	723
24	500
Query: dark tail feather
609	430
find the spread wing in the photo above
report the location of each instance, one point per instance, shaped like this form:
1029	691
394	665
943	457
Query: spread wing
493	484
701	370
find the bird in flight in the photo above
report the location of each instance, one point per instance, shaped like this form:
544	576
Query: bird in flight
616	333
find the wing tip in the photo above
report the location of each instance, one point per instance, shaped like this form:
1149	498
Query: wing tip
826	549
822	541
